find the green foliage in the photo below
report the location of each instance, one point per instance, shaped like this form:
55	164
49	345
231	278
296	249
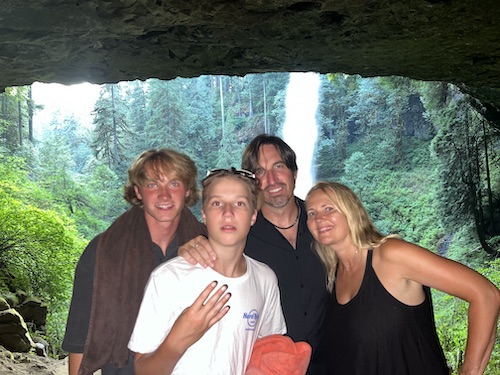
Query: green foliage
399	202
465	248
39	247
337	96
449	313
137	115
112	131
67	134
360	175
104	201
451	322
413	151
14	117
15	182
492	272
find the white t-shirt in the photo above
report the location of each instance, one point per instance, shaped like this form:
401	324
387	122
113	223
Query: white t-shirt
226	347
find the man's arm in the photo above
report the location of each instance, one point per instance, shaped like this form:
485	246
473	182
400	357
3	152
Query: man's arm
74	361
198	251
79	313
189	327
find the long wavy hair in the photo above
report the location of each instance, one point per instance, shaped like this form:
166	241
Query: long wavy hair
363	232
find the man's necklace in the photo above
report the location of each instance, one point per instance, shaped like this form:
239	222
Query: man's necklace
295	222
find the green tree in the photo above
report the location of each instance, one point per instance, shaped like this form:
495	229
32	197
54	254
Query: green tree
201	135
137	117
111	129
15	117
167	113
461	160
373	122
39	246
336	96
104	202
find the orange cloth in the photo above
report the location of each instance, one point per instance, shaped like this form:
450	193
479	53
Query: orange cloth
279	355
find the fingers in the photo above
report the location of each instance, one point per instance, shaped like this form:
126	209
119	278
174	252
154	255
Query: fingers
218	316
198	251
215	298
205	311
215	307
218	298
200	300
184	251
198	318
187	250
204	251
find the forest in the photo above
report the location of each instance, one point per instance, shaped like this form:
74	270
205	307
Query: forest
420	155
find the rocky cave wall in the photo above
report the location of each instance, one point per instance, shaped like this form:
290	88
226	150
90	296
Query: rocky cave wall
65	41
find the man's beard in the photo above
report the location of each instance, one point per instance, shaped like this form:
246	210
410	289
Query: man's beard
277	202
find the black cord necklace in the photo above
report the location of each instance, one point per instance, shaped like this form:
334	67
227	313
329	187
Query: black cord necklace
295	222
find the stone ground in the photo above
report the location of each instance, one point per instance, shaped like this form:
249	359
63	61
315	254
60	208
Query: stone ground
30	364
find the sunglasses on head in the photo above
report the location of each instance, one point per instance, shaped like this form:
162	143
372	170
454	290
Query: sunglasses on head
230	171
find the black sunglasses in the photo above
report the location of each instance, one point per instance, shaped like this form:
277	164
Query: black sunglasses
232	170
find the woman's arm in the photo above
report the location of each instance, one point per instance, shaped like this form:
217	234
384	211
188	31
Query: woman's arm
419	265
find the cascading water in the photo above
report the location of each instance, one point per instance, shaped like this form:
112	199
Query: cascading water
300	128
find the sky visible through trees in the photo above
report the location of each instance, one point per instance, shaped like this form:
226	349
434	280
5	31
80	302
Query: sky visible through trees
78	99
299	129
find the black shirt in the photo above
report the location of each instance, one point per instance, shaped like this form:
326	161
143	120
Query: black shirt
81	302
301	278
376	334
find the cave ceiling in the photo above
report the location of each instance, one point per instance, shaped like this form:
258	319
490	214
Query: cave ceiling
120	40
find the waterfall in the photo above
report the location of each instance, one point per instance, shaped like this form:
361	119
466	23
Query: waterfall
300	129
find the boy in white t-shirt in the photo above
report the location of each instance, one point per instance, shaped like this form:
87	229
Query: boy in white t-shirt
223	345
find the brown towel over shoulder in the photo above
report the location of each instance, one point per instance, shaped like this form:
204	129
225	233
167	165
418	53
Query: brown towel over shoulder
124	261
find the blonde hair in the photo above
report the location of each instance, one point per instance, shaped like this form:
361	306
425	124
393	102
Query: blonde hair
363	232
163	161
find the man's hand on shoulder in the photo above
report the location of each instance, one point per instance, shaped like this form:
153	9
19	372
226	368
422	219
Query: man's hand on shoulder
198	251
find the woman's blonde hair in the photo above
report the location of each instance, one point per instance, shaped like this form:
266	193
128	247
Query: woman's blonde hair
363	232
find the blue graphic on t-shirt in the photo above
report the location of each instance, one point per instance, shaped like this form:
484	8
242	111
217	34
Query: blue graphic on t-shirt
252	318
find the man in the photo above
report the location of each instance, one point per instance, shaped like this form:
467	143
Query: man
113	270
280	239
229	208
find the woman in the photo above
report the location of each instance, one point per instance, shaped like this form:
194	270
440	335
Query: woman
380	318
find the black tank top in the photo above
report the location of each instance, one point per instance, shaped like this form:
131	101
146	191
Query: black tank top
376	334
